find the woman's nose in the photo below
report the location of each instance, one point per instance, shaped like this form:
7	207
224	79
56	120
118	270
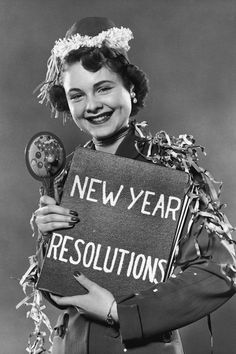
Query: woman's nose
92	104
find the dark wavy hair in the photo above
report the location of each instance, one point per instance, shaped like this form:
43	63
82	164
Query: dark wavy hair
93	59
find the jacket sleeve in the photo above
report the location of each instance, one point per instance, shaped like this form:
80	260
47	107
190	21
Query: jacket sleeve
204	279
193	293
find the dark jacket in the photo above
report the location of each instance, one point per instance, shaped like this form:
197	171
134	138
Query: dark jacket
148	321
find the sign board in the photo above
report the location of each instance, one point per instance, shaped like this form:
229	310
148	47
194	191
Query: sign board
128	213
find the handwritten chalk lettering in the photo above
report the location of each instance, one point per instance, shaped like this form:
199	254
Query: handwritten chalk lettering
150	269
134	198
123	253
110	197
131	262
92	190
95	263
76	245
54	245
112	263
160	205
81	188
107	197
118	260
88	255
64	249
148	202
171	209
167	206
139	266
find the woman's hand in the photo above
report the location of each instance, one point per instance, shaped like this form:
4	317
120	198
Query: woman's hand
50	217
96	304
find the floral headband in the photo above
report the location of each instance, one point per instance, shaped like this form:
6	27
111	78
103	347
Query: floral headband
115	38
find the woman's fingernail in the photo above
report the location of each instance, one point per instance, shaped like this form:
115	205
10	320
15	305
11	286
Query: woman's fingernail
74	218
72	212
76	273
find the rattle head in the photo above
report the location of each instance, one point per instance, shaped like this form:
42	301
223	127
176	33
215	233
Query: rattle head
45	156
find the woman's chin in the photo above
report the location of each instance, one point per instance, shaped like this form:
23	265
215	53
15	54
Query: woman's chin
103	134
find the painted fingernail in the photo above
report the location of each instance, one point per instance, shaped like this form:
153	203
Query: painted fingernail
76	273
71	223
74	218
72	212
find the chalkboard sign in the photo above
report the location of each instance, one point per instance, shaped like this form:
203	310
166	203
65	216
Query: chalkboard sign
128	210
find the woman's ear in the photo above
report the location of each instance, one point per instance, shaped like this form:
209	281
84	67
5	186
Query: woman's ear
131	88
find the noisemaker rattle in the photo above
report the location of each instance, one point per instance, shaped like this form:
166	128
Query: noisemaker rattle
45	158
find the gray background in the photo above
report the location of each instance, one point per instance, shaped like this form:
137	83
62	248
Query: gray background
188	50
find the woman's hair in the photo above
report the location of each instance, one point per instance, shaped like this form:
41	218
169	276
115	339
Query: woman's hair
93	59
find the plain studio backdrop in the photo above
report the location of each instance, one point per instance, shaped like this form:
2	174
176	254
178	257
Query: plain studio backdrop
188	50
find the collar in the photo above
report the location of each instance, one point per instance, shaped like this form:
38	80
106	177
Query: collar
126	147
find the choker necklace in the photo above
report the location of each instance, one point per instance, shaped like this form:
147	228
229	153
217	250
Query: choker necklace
111	139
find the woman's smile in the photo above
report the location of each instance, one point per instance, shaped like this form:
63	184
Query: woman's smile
100	118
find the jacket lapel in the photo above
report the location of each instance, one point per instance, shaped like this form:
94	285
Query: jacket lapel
127	147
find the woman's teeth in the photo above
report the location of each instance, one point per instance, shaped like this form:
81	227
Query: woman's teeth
102	118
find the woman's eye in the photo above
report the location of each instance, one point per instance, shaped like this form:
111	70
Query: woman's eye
104	89
76	97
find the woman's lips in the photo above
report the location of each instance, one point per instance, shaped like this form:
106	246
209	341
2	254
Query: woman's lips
99	119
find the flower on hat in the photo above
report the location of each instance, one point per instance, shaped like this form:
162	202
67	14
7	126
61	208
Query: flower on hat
116	38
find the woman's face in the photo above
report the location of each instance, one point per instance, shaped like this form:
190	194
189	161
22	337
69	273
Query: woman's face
99	103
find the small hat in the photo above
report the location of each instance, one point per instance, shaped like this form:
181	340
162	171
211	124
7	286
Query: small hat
90	26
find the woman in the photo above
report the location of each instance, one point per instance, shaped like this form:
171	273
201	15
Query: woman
90	78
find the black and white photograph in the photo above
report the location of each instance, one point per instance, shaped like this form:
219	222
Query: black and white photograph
118	189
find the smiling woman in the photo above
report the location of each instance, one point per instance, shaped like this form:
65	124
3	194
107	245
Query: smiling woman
96	89
91	79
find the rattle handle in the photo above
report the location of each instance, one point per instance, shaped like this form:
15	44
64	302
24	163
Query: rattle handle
48	187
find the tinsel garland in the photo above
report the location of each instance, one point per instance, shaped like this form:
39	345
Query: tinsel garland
182	153
37	338
178	153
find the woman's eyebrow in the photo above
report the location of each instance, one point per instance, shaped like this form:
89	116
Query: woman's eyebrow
74	89
99	83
